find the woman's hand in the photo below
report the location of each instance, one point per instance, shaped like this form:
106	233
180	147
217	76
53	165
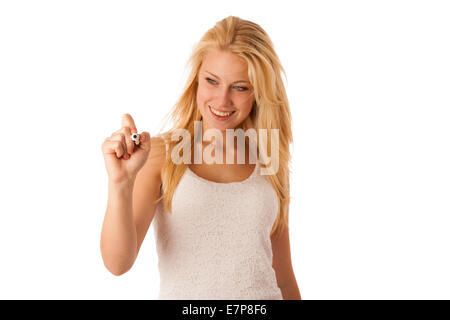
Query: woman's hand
124	159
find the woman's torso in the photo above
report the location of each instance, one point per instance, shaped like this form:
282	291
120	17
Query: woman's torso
215	244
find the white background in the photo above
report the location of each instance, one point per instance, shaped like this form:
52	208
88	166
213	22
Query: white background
368	84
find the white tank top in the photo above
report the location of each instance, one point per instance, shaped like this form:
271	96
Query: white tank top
215	244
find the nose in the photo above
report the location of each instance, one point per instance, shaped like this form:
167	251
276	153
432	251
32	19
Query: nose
223	99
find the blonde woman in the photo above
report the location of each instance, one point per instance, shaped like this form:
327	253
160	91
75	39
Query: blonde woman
221	228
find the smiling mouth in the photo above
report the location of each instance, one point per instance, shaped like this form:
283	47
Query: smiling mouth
220	113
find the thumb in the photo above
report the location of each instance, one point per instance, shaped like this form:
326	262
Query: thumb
145	141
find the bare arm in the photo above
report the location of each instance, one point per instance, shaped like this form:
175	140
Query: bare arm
130	210
282	265
118	239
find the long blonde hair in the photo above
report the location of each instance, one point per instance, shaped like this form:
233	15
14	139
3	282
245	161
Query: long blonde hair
270	108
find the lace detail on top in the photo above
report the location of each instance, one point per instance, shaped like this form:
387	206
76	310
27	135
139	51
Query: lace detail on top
215	244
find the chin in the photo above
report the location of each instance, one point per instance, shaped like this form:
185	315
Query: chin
209	125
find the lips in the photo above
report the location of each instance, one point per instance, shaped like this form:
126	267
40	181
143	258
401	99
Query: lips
221	113
220	118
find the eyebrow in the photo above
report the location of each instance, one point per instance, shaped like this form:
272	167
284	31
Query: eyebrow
219	78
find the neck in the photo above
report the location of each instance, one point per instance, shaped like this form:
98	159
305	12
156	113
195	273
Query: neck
220	143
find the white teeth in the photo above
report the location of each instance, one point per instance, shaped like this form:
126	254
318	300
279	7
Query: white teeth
222	114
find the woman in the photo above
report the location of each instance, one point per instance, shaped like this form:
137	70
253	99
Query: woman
221	229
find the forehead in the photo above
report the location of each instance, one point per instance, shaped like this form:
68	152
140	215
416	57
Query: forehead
225	64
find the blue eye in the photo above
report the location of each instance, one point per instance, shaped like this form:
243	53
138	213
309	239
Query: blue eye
237	87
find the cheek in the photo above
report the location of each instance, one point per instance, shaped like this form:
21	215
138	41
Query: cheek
245	104
203	94
200	100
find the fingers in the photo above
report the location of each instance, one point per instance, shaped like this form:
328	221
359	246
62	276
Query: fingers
123	135
127	121
128	127
117	144
120	141
126	132
145	141
120	138
113	147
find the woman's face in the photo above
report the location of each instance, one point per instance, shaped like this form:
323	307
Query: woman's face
223	85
